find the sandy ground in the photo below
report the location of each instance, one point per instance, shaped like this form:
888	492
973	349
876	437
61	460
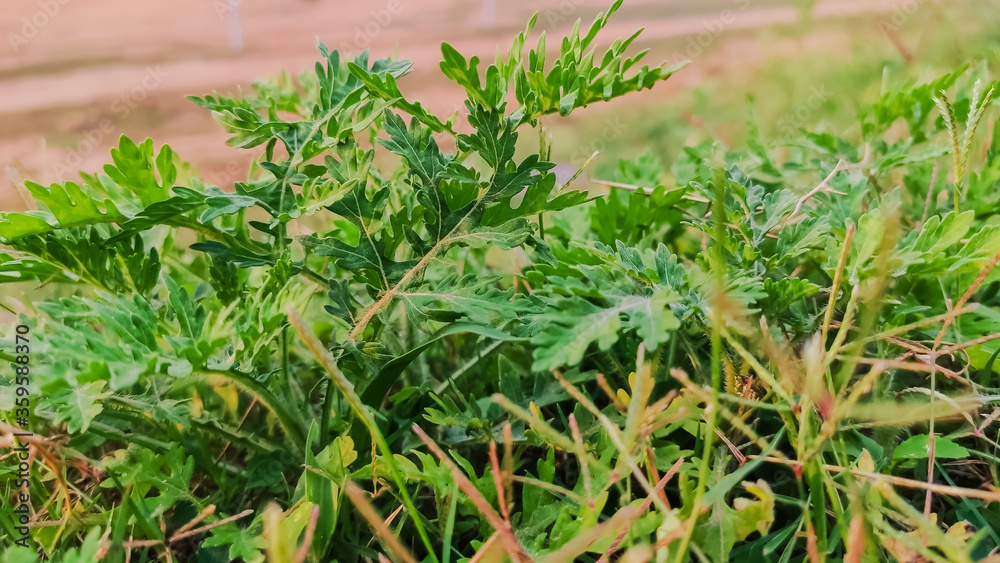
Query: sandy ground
77	74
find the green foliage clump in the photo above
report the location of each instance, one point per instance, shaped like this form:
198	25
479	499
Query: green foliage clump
377	347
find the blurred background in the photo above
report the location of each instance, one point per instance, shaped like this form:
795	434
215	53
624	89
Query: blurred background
77	74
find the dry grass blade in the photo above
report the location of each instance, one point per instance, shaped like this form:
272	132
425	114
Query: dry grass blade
645	191
208	511
538	424
890	413
498	482
508	459
581	450
514	549
346	388
732	447
838	278
138	544
562	491
986	422
303	551
184	531
618	523
819	187
812	549
959	307
990	496
8	434
855	539
951	402
625	450
905	329
924	365
968	344
736	421
602	382
382	531
489	552
579	171
642	508
985	271
223	522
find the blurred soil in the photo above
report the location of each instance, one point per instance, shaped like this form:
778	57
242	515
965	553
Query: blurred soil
77	74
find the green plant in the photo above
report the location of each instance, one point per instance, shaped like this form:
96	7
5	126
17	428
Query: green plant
960	150
374	347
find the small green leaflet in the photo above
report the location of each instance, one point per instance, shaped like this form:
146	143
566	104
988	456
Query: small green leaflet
79	405
917	447
570	325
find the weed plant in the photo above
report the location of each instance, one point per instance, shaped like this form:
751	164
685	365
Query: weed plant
373	349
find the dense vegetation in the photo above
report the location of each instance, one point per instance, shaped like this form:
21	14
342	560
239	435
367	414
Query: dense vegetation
403	338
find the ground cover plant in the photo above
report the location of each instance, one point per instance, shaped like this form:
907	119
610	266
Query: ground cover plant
402	338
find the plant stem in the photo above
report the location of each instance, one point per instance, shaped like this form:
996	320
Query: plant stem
711	410
387	297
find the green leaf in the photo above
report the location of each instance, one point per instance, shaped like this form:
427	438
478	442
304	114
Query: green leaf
221	203
537	198
14	226
237	256
477	299
416	146
79	405
23	268
88	550
190	316
464	73
20	554
245	544
376	390
135	167
725	526
917	447
385	87
571	325
67	205
159	480
324	484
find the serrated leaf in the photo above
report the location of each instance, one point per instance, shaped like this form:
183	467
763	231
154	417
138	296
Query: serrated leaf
571	325
238	257
79	405
136	167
